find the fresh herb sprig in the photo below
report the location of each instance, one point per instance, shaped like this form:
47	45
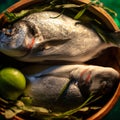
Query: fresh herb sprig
12	17
13	110
56	4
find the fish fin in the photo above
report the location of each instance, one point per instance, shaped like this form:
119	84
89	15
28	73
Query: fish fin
52	42
56	41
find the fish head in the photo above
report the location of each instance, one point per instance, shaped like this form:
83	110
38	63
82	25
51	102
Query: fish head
98	80
14	40
104	80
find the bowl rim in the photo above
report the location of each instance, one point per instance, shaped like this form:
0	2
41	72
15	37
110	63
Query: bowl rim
100	12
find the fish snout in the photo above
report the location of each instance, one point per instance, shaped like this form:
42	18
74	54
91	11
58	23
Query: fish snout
3	40
104	82
11	41
99	86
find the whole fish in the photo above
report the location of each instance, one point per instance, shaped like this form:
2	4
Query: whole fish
43	37
62	87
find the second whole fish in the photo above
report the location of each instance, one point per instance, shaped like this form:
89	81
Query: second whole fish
64	87
42	37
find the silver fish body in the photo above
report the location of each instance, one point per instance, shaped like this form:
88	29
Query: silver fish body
64	87
42	37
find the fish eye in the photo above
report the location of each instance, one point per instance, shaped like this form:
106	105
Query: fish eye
31	29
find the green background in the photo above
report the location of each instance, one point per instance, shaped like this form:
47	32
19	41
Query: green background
6	3
114	114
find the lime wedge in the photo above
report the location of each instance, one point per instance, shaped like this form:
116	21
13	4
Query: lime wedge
12	83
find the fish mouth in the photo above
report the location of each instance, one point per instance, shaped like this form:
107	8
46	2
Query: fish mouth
4	40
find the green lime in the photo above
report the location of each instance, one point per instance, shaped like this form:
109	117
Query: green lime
12	83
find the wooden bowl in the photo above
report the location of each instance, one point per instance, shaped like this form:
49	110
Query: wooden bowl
108	21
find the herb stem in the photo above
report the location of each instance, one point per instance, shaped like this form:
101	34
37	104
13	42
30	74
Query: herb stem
70	112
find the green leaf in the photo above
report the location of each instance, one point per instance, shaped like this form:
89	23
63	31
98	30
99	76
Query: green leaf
10	16
112	12
13	111
100	4
70	112
9	114
39	110
80	13
26	100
